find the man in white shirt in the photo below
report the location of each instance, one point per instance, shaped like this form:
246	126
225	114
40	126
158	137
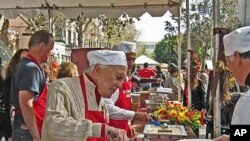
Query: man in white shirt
119	105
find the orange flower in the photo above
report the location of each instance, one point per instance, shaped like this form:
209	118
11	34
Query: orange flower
178	114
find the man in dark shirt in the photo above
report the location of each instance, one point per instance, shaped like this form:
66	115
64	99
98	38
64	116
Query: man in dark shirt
29	89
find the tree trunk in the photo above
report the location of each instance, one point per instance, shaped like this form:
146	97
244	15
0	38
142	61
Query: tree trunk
80	35
4	32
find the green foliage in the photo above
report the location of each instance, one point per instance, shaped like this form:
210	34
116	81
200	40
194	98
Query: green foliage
164	50
200	26
100	29
117	29
229	14
142	50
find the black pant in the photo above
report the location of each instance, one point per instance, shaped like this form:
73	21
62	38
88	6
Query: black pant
5	126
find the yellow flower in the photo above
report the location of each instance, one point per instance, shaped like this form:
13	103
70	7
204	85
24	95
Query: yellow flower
172	112
179	114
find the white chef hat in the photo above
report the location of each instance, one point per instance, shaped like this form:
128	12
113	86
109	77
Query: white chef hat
238	40
107	57
125	46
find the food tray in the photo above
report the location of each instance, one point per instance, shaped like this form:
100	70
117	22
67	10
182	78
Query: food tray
158	98
152	105
173	131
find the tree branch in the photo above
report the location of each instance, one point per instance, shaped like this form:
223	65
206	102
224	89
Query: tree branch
24	20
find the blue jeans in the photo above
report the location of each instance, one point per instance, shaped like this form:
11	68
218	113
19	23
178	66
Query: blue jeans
19	134
145	86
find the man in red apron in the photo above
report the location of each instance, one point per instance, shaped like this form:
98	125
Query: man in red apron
29	89
75	109
119	105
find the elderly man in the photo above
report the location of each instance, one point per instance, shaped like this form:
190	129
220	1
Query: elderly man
75	108
29	89
119	105
237	56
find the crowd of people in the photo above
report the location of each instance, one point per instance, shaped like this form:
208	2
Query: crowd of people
44	110
96	105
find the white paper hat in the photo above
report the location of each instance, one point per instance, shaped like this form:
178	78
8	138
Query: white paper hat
238	40
126	47
107	57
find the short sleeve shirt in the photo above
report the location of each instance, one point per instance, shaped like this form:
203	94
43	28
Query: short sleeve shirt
146	73
27	76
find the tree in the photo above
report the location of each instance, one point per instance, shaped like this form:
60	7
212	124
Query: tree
200	25
102	28
229	16
129	33
10	39
82	24
164	50
117	29
142	50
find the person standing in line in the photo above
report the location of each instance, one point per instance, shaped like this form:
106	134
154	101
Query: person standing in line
237	57
29	89
120	103
2	110
172	82
1	77
6	91
160	74
146	72
75	108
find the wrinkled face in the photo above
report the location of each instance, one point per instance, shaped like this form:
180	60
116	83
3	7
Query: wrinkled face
46	50
109	78
238	66
234	66
230	64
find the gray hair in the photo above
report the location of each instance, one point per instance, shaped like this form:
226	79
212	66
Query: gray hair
245	55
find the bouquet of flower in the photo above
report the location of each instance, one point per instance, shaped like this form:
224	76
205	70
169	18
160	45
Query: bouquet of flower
178	114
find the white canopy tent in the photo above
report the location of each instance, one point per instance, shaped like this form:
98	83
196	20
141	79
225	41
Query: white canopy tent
90	8
142	59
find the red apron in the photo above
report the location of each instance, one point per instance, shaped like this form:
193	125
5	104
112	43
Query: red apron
124	102
94	116
39	108
40	104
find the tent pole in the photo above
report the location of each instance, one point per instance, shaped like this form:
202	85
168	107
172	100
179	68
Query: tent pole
50	20
188	54
179	54
216	97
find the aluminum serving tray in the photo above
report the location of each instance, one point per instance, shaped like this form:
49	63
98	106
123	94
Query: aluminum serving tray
173	132
152	106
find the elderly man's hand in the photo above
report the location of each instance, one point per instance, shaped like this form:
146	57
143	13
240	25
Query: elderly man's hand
115	134
141	117
222	138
